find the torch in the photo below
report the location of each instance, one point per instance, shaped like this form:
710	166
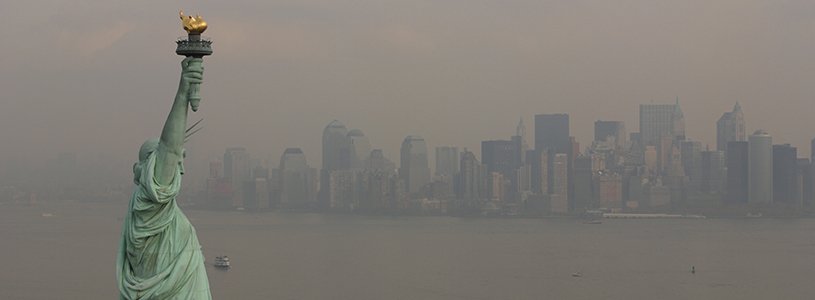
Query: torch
195	46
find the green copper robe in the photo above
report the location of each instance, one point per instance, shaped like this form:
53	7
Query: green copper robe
159	255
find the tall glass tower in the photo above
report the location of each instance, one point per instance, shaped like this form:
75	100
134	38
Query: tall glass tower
413	166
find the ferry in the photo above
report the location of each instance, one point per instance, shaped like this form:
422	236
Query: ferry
222	261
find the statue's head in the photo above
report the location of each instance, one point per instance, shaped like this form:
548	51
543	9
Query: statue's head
148	147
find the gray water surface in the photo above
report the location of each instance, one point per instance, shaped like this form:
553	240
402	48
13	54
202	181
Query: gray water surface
72	254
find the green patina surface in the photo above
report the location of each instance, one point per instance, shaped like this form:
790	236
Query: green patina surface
159	254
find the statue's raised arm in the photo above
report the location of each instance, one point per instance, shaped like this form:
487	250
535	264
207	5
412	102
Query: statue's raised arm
170	147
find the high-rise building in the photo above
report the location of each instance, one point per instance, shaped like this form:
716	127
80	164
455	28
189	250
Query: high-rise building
297	185
692	164
552	131
760	167
413	166
255	194
336	147
560	199
611	190
237	169
583	180
737	172
336	156
468	177
655	119
661	126
376	161
713	173
785	174
521	146
446	160
499	156
360	148
603	130
812	151
678	122
730	127
807	171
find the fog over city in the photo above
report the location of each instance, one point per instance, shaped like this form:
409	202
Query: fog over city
98	78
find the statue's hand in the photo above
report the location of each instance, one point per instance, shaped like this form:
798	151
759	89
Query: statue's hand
191	73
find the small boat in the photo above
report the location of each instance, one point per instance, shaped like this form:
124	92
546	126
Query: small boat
595	221
47	215
578	274
222	261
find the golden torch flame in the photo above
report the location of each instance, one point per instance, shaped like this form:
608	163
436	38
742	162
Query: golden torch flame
193	25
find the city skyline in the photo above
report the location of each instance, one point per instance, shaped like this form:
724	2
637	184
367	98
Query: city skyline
450	72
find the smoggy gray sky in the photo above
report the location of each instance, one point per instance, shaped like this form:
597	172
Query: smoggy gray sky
99	76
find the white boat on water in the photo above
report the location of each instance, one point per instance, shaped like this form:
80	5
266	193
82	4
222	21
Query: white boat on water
222	261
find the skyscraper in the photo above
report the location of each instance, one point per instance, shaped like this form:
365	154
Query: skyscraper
678	122
521	146
605	129
655	119
337	155
713	172
552	131
468	177
336	147
360	148
785	174
413	166
760	167
297	184
446	160
499	156
236	165
560	184
730	127
737	172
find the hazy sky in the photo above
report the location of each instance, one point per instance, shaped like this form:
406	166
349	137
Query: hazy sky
99	76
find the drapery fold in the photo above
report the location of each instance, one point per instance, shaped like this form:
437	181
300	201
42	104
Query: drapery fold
159	254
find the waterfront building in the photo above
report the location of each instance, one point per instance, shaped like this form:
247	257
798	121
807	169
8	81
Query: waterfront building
737	172
552	131
603	130
611	191
500	156
692	165
446	160
468	177
359	148
237	169
786	188
521	146
256	194
678	121
413	167
730	127
655	119
760	167
377	161
336	153
297	182
807	171
713	173
560	186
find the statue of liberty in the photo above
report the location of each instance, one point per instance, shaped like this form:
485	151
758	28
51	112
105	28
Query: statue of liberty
159	254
